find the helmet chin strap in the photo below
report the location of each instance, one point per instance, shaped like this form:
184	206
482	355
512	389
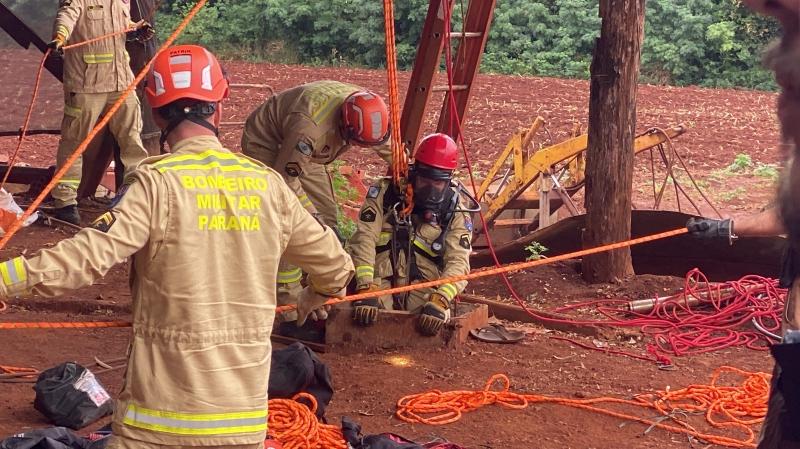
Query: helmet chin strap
196	114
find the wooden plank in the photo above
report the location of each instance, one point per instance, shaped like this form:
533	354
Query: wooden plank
397	329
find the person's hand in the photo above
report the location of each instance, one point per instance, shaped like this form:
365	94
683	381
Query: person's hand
57	44
365	312
141	31
311	304
435	314
704	228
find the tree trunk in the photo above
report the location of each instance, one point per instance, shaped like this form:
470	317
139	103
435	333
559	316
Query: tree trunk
612	125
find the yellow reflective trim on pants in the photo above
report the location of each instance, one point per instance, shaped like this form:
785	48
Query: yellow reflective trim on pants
13	271
69	181
72	111
196	423
424	247
384	238
290	276
448	290
365	270
98	58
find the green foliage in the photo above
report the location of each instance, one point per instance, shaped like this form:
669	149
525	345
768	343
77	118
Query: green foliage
768	171
741	163
734	194
714	43
344	192
535	251
345	224
342	188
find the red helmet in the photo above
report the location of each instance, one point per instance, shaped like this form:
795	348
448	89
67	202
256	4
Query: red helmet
365	119
437	151
185	72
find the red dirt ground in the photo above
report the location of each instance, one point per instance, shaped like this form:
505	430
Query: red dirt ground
722	124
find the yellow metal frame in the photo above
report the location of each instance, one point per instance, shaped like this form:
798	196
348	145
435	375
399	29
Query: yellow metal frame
526	170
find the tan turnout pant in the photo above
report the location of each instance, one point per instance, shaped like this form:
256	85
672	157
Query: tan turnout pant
81	113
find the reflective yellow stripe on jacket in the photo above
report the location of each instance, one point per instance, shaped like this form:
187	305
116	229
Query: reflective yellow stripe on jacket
206	160
290	276
425	248
98	58
196	423
448	290
304	201
365	270
13	271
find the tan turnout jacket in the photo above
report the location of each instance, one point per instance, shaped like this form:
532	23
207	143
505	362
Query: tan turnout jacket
371	250
298	127
102	66
206	229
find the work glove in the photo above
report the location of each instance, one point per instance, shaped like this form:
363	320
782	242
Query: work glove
703	228
311	304
435	314
57	45
365	312
142	32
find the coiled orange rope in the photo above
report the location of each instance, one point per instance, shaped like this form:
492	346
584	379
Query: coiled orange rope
736	407
296	426
100	125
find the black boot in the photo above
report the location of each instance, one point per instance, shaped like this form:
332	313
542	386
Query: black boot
69	214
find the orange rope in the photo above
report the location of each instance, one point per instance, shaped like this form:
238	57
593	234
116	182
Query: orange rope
399	160
407	288
296	426
102	123
97	39
27	121
736	407
18	370
76	325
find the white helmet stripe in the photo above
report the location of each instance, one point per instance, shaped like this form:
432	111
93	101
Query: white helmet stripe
377	125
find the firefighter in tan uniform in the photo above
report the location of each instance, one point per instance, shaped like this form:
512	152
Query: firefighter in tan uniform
95	75
435	242
299	131
206	228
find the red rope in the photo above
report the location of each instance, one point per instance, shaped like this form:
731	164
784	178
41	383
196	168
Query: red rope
718	319
456	119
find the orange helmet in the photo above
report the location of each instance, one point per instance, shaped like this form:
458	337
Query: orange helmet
365	119
185	72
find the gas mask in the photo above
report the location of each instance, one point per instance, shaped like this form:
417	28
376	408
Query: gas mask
430	187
